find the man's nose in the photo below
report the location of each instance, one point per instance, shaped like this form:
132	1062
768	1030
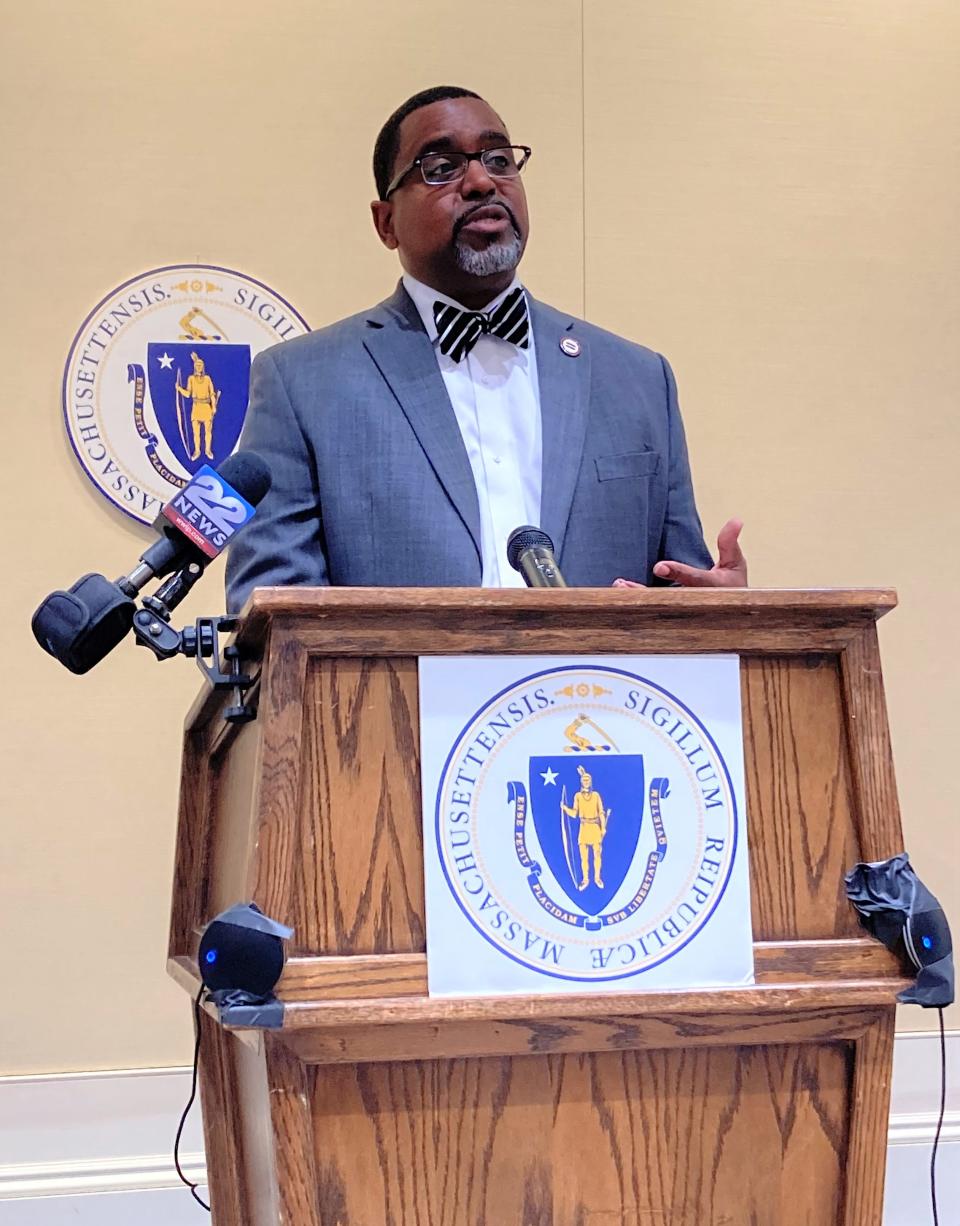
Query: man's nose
477	181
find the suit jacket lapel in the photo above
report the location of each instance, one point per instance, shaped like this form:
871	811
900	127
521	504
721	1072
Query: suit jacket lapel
564	401
396	340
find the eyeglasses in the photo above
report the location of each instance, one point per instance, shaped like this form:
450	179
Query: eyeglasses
504	162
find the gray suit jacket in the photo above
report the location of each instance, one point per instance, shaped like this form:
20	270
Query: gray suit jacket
371	481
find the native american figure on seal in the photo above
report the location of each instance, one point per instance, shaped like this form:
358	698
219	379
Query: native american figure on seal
587	808
203	398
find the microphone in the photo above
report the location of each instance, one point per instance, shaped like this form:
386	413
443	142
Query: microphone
199	521
81	626
530	551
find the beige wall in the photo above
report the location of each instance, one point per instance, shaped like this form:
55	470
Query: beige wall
767	193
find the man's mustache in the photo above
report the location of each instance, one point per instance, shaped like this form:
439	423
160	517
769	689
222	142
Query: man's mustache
486	204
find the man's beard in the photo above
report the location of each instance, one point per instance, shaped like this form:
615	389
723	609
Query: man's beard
501	256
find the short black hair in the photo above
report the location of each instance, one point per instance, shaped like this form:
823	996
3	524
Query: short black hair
388	141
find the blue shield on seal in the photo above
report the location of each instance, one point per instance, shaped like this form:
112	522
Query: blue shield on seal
593	822
199	409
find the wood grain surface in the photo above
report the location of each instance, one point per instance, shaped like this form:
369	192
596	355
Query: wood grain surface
337	849
800	823
295	1177
233	818
191	867
359	876
307	979
377	1105
362	1043
273	867
437	621
869	1118
222	1124
874	782
687	1137
406	1027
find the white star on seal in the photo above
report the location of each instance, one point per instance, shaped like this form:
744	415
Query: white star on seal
166	361
549	776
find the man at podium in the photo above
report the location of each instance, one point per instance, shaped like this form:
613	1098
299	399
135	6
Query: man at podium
408	441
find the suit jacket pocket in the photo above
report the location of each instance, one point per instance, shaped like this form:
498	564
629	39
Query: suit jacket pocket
631	464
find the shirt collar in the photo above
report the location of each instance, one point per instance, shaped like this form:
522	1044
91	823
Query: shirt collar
424	297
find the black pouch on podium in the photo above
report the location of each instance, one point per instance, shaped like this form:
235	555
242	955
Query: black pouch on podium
895	906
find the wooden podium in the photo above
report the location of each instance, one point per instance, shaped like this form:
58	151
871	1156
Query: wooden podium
375	1105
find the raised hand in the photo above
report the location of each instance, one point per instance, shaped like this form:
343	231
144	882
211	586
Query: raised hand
730	569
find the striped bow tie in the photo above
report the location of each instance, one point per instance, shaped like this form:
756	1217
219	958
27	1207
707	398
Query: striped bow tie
458	331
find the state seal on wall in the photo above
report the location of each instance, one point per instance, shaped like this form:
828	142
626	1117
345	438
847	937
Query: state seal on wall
157	380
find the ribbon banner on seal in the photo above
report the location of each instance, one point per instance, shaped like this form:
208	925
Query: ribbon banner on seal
136	376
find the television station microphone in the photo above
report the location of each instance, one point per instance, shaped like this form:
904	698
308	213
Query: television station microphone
81	626
197	524
201	519
530	551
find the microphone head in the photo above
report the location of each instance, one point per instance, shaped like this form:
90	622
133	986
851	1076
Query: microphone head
209	511
249	474
523	538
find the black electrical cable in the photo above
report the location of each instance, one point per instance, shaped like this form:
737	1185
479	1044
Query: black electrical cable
190	1101
943	1110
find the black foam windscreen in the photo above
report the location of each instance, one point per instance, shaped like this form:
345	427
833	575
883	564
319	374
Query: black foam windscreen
236	958
249	475
82	625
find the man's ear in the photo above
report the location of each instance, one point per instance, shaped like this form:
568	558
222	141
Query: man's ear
382	212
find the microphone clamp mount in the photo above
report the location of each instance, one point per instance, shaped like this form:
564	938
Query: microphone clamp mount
200	642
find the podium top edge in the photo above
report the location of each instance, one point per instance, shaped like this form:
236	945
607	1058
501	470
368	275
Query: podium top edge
411	622
294	601
625	608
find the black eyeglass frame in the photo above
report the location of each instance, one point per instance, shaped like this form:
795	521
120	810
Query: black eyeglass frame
477	156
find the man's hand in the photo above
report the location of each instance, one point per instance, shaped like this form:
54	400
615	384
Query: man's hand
730	570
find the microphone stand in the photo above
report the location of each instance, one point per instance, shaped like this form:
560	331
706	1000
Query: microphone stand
200	642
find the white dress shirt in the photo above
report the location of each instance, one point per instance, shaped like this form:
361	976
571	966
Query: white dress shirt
495	396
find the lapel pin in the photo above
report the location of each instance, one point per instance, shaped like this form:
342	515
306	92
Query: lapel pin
570	347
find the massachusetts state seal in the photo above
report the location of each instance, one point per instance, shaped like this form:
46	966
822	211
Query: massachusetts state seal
587	824
157	380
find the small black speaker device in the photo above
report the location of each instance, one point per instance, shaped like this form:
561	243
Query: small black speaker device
241	955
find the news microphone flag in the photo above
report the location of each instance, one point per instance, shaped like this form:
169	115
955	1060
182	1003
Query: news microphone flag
208	511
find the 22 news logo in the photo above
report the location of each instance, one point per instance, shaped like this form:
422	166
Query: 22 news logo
208	511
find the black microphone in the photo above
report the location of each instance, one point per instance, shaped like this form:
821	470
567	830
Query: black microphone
82	625
530	551
248	475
